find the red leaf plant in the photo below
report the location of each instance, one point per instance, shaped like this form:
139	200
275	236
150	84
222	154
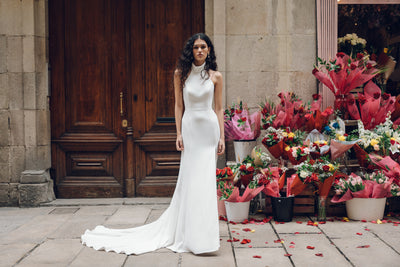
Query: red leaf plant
342	75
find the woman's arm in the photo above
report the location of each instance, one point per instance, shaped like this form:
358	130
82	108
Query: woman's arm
219	110
179	107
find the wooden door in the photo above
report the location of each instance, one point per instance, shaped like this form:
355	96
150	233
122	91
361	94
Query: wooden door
112	62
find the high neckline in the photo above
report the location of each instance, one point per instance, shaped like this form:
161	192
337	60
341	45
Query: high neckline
198	68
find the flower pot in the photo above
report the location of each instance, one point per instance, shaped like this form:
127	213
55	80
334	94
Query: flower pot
243	149
282	208
365	208
221	207
237	211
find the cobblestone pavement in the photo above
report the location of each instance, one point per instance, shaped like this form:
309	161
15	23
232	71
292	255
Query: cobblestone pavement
50	236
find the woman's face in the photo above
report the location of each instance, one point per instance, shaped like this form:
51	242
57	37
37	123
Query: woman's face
200	51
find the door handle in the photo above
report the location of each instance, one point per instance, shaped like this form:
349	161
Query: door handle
121	104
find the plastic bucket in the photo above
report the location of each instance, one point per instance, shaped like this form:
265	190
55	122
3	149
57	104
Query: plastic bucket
369	209
243	149
237	211
282	208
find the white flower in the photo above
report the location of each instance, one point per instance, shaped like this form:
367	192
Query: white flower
303	174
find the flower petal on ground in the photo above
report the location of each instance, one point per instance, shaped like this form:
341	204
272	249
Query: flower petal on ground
310	247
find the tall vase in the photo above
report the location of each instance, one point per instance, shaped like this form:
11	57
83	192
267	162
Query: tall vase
243	149
321	217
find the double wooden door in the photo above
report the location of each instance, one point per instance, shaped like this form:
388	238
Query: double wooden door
112	98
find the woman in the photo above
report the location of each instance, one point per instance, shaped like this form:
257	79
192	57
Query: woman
190	223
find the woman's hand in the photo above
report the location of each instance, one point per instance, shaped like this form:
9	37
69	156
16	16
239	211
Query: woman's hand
179	143
221	147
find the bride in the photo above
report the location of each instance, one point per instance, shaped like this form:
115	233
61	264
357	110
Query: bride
190	223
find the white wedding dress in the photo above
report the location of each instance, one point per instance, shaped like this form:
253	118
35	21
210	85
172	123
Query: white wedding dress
190	223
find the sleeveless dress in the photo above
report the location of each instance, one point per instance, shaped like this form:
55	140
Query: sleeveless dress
190	223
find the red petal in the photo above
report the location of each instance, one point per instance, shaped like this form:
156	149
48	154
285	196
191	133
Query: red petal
359	233
299	222
291	246
246	229
233	231
365	246
319	255
364	220
257	256
296	233
250	246
310	247
266	242
395	224
287	255
232	222
366	229
292	242
229	240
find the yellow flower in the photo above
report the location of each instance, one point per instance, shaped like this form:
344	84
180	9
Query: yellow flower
284	134
385	50
317	142
291	135
287	148
342	138
331	167
374	142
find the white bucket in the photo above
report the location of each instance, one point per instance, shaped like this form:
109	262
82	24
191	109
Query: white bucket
370	209
243	149
237	211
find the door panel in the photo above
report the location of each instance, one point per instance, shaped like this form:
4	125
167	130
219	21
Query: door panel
88	61
113	61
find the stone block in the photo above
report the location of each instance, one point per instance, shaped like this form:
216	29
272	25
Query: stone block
4	193
243	18
40	54
219	17
34	177
28	58
4	154
17	132
13	194
4	90
10	17
17	157
277	18
282	52
29	88
209	17
3	53
264	84
220	51
31	195
158	259
4	128
301	18
15	91
301	61
283	81
4	173
132	216
14	55
304	84
30	127
43	128
91	257
42	90
28	23
37	157
237	86
40	18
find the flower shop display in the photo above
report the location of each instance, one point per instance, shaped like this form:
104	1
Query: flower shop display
342	75
365	197
352	45
241	127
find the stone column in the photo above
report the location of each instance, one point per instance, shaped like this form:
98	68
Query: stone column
24	110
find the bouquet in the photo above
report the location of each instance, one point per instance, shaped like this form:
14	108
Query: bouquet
246	172
225	174
273	141
352	45
315	118
297	154
240	124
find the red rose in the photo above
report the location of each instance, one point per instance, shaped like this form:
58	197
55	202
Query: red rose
229	171
360	56
264	111
392	142
315	70
362	99
315	96
223	172
385	96
369	66
301	109
373	57
325	168
340	54
353	66
250	169
377	95
238	111
265	126
218	171
243	119
242	167
350	101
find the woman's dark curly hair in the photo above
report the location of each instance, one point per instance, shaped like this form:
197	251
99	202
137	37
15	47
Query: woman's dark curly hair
186	58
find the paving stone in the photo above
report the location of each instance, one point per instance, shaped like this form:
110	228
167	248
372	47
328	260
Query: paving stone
53	253
154	215
154	260
269	257
147	200
77	225
91	257
262	233
223	229
129	215
221	258
302	256
387	232
85	202
35	230
10	254
97	210
337	228
293	226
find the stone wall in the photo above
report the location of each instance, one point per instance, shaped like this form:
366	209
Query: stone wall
24	110
263	47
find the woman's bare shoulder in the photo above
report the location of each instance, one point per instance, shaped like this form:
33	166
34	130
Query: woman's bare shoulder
177	73
216	76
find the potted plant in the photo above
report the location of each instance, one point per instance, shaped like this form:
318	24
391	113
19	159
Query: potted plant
243	128
365	197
